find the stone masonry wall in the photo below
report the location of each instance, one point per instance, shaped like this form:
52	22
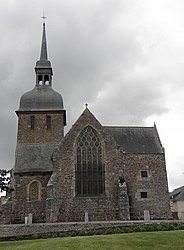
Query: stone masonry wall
40	134
60	229
68	206
22	205
124	208
155	184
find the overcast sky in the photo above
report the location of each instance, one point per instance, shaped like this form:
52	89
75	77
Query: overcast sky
125	58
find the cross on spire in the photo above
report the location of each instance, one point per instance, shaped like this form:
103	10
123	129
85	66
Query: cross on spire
44	17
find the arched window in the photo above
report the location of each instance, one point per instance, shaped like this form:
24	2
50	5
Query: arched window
34	191
89	164
46	80
40	80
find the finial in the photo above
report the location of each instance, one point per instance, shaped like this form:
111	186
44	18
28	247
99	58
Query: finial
86	105
44	17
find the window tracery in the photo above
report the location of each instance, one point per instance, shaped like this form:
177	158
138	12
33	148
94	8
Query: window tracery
89	166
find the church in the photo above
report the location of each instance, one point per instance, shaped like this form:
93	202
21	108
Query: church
105	172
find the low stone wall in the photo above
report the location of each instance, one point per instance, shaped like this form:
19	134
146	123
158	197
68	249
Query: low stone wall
41	230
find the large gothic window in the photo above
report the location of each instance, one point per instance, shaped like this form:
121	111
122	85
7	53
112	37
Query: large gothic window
34	191
89	167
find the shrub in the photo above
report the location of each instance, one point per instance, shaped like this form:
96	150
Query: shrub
127	230
90	232
137	229
117	230
97	232
110	231
81	233
151	227
181	226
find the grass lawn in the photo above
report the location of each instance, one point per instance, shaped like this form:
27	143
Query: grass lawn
170	240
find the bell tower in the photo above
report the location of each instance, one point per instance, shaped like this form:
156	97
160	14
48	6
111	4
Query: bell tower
41	112
41	121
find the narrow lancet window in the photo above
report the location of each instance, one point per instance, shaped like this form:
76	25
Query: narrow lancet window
89	164
48	122
32	122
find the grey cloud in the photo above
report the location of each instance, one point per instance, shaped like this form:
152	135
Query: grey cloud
93	48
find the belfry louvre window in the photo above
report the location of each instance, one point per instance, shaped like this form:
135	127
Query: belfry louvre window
89	165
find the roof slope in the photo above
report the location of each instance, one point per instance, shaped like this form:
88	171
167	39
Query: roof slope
41	98
137	139
33	158
177	194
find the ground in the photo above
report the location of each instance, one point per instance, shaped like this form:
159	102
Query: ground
172	240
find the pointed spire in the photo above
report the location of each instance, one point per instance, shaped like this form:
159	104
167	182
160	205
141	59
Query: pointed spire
43	67
43	62
43	54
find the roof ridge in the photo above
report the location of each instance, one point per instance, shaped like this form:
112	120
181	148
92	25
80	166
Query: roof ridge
128	126
179	188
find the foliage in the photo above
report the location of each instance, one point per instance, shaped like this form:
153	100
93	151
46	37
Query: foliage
171	240
4	180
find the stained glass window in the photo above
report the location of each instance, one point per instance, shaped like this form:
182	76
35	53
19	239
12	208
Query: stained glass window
89	164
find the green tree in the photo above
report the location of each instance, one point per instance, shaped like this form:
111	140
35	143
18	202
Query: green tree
4	180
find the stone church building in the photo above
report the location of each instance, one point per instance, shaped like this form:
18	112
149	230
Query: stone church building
107	172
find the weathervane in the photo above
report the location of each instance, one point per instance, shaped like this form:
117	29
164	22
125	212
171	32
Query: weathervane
44	17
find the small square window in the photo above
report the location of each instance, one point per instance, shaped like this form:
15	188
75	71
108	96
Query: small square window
144	173
144	195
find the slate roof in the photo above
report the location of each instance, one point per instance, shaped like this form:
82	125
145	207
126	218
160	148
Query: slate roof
137	139
41	98
177	194
33	158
